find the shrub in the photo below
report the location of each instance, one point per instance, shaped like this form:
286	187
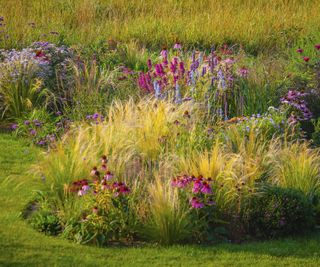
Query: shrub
277	212
108	215
46	222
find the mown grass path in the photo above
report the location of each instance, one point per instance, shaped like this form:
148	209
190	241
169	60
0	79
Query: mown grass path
20	245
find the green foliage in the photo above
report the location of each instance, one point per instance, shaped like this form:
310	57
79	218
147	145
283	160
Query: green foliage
277	212
21	96
42	127
95	88
46	222
316	133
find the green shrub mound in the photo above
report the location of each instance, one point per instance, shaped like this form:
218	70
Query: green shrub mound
278	212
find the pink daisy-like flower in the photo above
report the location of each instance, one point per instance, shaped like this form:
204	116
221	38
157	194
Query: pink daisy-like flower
177	46
196	204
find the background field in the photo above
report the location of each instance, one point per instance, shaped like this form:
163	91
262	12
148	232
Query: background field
258	25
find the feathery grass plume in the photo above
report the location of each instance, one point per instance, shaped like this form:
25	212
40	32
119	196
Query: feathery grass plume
169	222
297	166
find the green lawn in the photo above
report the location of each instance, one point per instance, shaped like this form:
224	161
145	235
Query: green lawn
20	245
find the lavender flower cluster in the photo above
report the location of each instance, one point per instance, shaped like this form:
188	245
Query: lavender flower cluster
40	60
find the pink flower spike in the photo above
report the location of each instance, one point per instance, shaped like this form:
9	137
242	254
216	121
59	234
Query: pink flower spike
299	50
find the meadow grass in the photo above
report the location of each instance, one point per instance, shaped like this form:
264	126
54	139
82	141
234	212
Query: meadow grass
20	245
258	25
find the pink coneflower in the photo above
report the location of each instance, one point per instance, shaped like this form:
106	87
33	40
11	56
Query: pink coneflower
299	50
206	189
85	188
177	46
81	193
93	171
108	176
317	46
104	159
104	167
197	186
306	59
95	210
196	204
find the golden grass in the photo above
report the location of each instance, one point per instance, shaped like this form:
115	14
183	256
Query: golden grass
256	24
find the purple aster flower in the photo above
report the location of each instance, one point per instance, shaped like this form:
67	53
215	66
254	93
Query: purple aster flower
95	116
33	132
41	143
26	122
14	126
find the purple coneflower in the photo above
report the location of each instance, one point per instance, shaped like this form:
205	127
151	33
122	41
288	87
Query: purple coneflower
206	189
177	46
196	204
